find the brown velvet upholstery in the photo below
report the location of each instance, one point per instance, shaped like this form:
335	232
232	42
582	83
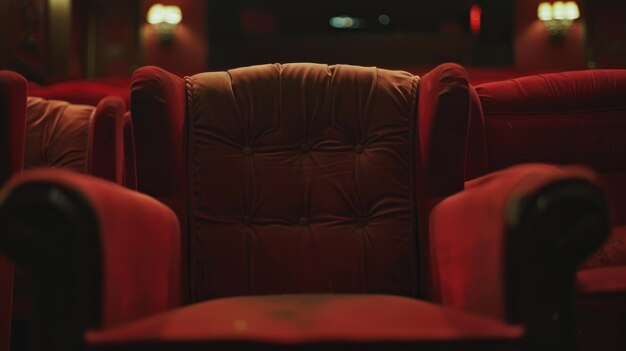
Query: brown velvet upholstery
286	187
298	177
57	134
82	138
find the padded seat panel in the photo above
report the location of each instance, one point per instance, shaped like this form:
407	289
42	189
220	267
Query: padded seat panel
301	319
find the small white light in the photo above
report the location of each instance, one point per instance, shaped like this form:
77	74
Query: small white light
346	22
558	10
571	10
164	14
384	20
544	11
336	22
173	15
155	14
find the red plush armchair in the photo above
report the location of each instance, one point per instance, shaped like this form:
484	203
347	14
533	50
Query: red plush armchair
566	118
12	129
301	191
58	134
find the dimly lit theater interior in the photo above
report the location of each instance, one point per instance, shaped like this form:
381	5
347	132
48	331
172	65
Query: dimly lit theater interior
312	175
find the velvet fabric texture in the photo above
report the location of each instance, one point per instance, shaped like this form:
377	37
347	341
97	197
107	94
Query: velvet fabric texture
300	321
298	178
138	240
12	128
58	134
468	254
285	167
564	118
83	138
82	92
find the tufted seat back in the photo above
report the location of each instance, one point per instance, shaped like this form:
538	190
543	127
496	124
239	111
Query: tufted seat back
295	178
290	192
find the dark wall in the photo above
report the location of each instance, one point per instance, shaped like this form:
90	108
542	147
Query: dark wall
606	33
419	32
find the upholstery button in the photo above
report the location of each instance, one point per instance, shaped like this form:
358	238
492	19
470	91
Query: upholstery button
304	221
358	148
247	151
304	148
361	221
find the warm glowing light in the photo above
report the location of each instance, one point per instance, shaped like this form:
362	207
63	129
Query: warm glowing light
558	17
558	10
571	10
544	11
160	13
475	17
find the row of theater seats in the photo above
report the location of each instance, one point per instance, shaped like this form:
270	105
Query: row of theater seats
305	206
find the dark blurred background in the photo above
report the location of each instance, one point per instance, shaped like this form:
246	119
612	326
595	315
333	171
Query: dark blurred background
56	40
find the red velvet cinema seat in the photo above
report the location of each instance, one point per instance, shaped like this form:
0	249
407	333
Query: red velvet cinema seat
83	138
12	128
297	189
92	93
301	179
566	118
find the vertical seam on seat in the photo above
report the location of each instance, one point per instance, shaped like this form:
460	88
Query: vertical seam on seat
189	200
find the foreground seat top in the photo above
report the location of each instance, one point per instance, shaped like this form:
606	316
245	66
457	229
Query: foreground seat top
103	231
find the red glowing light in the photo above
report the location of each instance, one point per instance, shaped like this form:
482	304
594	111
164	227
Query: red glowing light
475	13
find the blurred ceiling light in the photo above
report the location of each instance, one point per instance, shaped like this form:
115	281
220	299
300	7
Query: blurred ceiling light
164	19
384	20
558	17
346	22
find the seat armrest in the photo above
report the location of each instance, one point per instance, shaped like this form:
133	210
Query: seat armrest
105	143
99	254
443	116
509	245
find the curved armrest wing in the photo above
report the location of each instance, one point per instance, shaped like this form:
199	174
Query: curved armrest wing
443	117
509	245
105	144
100	254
